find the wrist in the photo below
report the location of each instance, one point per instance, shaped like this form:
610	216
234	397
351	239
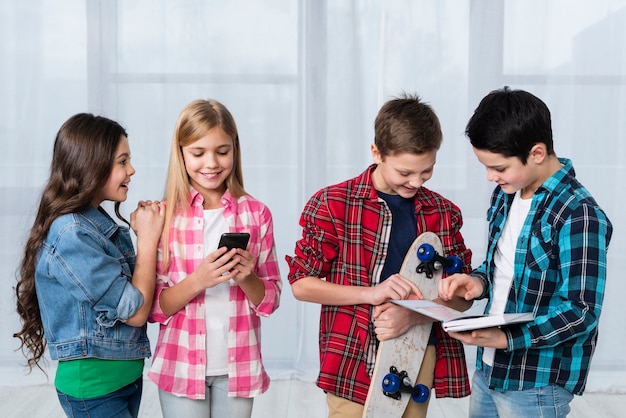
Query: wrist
147	245
485	283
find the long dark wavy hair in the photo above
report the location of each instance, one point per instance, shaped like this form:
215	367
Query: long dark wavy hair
83	156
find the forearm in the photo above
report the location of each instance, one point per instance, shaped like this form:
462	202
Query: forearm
253	288
313	289
144	279
175	298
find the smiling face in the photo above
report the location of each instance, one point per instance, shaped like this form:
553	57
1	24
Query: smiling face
208	162
116	187
402	173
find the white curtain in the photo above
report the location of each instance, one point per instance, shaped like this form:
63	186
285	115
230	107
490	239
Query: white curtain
304	80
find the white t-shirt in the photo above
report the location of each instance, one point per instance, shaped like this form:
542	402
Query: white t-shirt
504	260
216	300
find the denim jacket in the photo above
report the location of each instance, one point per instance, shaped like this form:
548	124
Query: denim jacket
83	281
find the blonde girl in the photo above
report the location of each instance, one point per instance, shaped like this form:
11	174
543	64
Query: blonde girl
209	301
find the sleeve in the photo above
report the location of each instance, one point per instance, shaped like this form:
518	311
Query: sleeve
582	255
267	266
319	245
162	283
492	214
459	248
82	265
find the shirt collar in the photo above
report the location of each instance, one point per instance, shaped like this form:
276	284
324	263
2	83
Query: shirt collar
101	220
196	198
364	188
560	178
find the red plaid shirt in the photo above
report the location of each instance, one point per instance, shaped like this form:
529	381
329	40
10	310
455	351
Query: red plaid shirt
341	242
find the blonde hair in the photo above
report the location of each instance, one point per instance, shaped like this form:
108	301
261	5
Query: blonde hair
194	121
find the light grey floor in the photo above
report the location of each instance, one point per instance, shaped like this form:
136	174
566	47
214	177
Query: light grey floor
284	399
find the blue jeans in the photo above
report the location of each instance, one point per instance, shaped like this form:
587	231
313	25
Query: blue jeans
550	401
123	403
216	403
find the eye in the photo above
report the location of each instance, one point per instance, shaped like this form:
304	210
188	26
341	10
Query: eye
123	162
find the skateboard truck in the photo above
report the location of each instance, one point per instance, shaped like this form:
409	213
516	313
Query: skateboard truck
397	382
432	261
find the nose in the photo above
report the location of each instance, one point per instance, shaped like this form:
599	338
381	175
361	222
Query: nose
130	169
417	181
210	160
492	175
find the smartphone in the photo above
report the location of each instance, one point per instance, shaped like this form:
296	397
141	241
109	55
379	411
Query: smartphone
232	240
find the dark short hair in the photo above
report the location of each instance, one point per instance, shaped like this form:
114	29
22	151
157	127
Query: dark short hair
407	125
510	122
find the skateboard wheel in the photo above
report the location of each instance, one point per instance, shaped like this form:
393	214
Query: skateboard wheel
420	393
455	266
391	383
425	253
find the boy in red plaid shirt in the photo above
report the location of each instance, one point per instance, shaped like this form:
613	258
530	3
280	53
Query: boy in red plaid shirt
355	237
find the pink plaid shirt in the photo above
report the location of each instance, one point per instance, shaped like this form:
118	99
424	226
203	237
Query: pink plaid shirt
179	362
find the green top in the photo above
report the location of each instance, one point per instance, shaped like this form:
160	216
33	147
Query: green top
92	377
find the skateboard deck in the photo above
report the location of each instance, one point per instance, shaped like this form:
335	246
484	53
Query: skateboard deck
398	360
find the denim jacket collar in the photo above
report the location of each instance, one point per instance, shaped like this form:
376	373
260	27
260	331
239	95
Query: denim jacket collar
101	221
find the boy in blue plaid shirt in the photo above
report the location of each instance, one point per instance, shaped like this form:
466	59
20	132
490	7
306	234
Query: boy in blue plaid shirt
546	254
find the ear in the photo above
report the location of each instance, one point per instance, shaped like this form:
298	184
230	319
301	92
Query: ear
538	153
376	154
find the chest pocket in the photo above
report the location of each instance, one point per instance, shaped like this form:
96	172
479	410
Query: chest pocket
543	252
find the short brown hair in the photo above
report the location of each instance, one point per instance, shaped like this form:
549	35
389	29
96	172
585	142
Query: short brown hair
406	124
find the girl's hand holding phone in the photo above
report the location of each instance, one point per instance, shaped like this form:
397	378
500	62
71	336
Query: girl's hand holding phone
238	241
245	266
217	267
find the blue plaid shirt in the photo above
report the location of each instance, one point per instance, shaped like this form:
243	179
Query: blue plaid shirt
560	276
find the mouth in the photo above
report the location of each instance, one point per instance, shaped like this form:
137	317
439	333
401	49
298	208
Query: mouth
211	176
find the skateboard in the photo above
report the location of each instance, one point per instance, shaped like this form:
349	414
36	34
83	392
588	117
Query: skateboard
398	360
